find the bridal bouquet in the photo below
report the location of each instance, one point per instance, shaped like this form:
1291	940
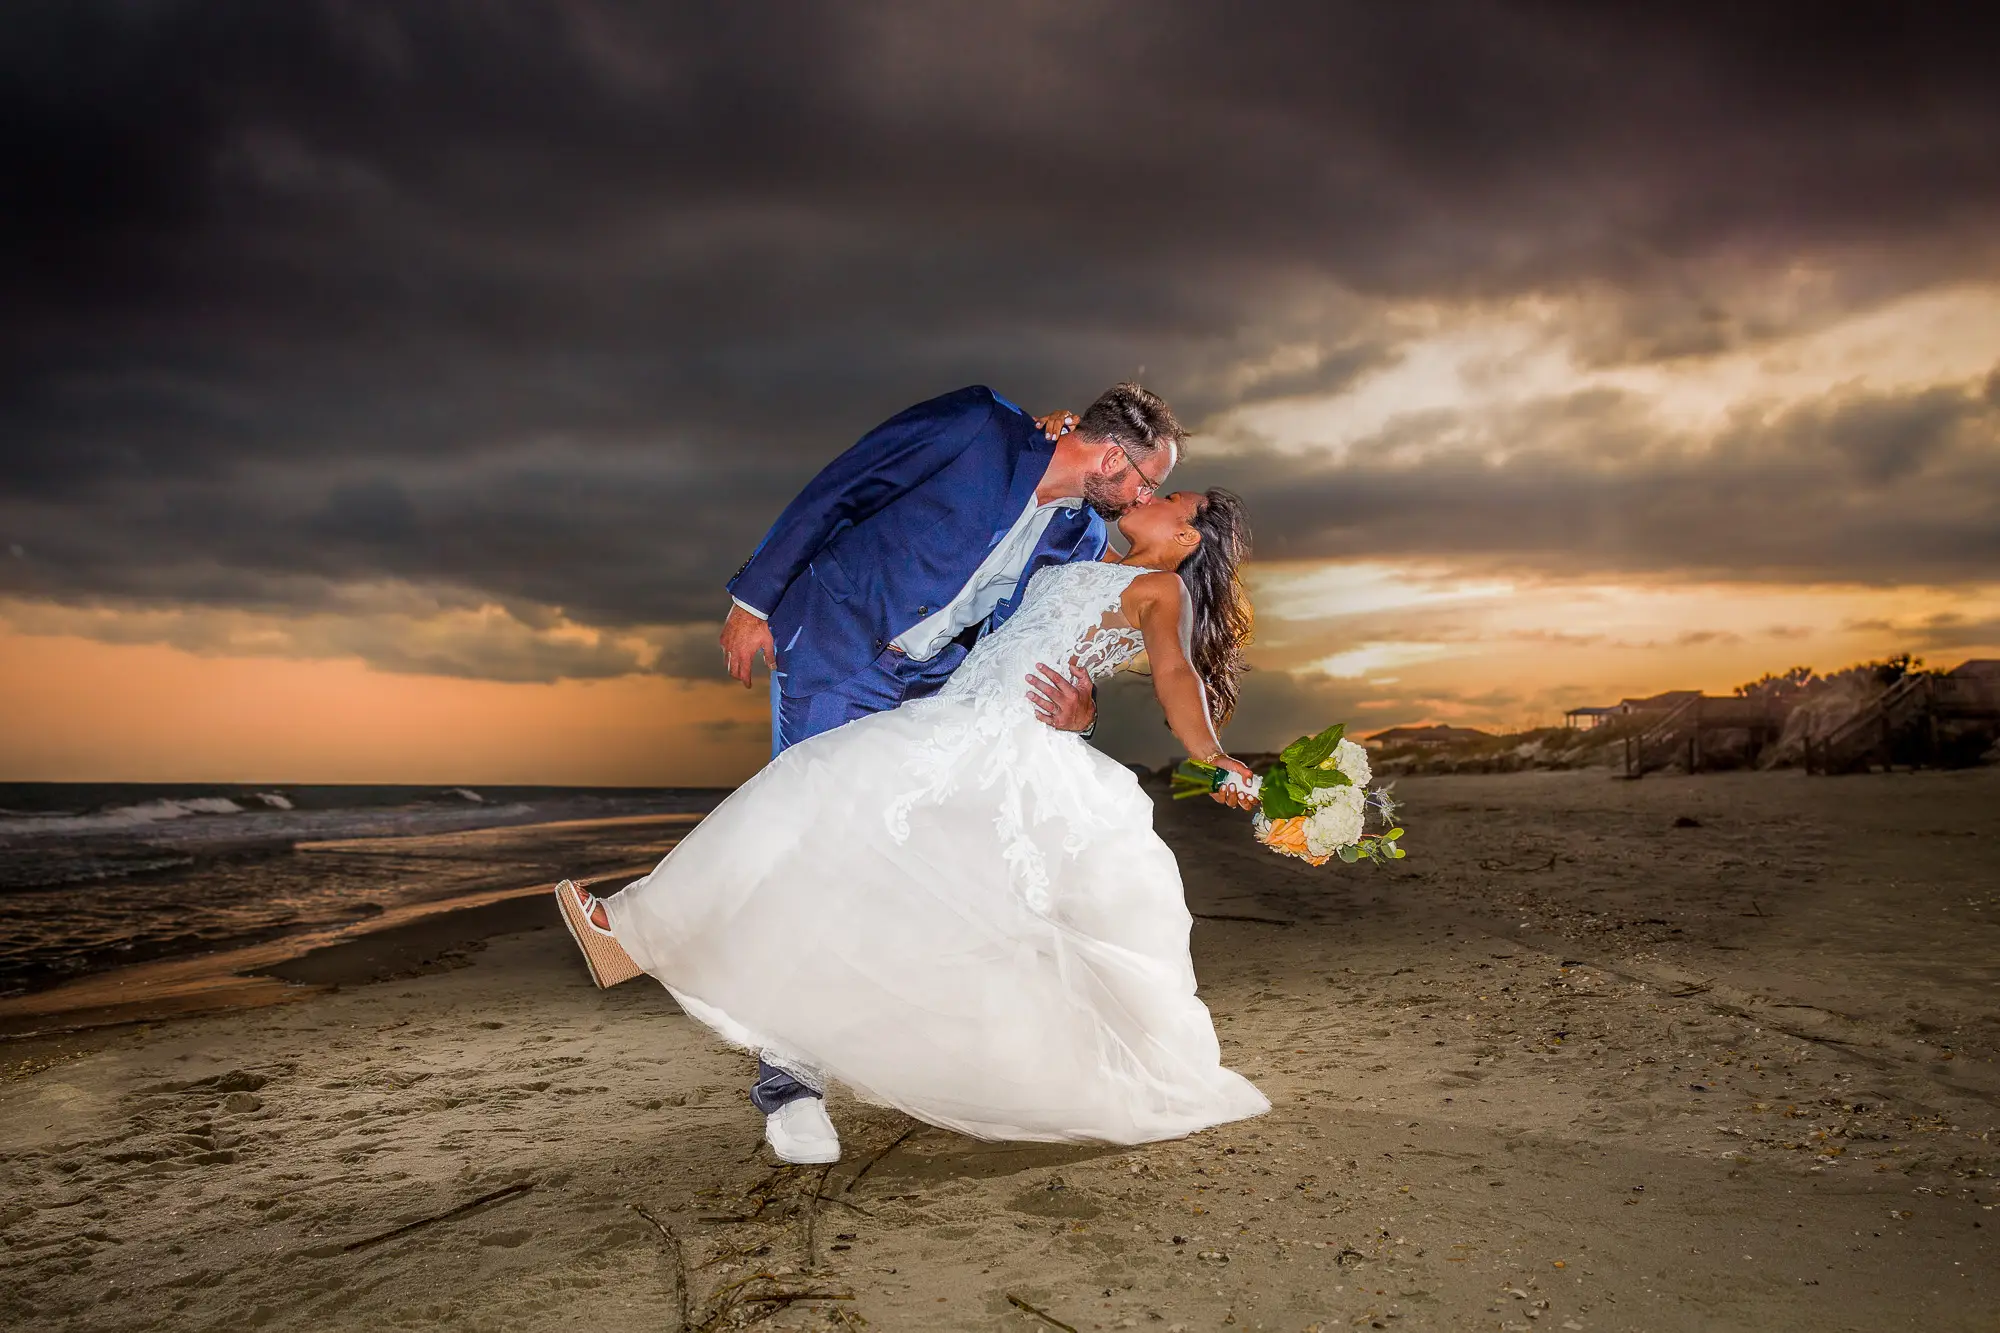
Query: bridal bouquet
1313	802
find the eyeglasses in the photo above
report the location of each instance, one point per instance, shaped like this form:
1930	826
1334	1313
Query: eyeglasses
1148	488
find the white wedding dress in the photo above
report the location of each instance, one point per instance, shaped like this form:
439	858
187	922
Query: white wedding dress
954	909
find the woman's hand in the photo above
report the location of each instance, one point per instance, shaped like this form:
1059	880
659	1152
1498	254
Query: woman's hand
1057	424
1231	796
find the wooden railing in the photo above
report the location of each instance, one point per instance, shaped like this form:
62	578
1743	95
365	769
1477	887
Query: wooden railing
1677	735
1904	719
1659	744
1869	735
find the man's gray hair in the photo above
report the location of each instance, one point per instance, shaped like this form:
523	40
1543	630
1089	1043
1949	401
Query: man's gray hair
1135	417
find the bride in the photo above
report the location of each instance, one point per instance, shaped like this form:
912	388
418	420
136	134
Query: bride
958	911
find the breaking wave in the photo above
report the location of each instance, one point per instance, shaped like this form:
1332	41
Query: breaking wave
142	815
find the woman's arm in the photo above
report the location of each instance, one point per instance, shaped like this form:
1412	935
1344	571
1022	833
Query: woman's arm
1159	606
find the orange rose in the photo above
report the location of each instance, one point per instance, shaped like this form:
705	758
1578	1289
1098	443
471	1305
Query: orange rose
1289	836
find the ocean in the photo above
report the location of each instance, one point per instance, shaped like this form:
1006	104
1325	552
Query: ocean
99	875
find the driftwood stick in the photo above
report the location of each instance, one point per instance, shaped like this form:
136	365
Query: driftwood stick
779	1299
730	1255
772	1175
809	1230
869	1165
680	1265
761	1192
1042	1315
519	1187
728	1298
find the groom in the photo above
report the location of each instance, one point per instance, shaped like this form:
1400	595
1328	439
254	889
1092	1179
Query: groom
877	580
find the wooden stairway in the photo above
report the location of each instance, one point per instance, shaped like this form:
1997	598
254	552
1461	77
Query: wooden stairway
1677	736
1903	723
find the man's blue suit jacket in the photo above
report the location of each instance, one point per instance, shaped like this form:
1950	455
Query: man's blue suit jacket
891	530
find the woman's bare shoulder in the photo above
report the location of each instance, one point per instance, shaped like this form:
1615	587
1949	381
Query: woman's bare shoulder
1160	588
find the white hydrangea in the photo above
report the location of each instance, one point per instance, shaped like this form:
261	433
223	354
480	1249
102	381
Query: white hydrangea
1319	796
1335	819
1352	760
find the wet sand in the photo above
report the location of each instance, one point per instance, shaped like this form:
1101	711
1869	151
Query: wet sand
1686	1053
458	912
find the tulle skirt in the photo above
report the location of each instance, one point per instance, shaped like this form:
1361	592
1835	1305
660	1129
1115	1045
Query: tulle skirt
954	910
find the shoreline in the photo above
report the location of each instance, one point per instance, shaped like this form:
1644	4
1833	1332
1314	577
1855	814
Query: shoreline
407	939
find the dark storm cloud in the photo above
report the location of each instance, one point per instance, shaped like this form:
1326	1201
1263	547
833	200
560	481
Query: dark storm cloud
1863	488
555	305
1943	631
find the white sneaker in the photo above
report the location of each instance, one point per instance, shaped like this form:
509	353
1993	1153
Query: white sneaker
800	1132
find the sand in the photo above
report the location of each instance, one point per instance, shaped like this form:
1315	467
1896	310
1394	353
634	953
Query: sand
1571	1066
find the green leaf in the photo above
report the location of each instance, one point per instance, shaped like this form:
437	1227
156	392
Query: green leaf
1398	853
1312	751
1391	835
1303	759
1350	854
1278	799
1309	778
1278	803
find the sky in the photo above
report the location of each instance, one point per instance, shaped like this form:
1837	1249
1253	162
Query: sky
389	390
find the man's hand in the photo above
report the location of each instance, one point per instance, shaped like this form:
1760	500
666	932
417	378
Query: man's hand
1057	424
1065	702
743	637
1229	796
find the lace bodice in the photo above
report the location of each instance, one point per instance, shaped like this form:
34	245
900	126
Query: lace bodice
999	745
1062	616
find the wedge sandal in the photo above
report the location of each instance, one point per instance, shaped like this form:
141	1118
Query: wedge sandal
607	960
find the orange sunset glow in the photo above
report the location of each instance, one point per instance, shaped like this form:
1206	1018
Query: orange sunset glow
1382	646
1555	383
86	711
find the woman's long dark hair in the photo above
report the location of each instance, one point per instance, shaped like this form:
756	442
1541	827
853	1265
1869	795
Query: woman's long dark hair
1221	608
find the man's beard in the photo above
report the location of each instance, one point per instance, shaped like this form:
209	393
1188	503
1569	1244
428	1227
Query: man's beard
1101	494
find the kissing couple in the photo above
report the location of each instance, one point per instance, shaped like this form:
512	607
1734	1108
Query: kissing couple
938	893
